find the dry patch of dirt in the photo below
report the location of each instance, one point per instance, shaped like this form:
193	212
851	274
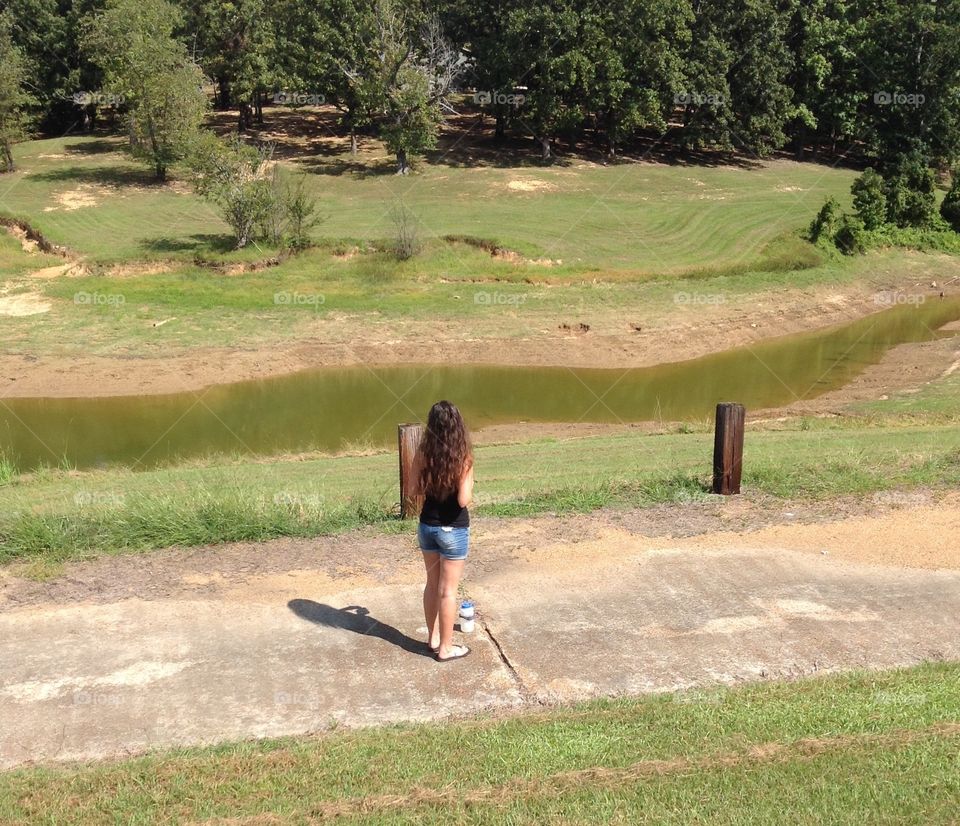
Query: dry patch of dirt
530	185
23	304
85	195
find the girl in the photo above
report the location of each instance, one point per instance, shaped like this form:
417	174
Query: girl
445	465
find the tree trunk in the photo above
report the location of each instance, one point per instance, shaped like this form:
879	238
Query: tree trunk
224	97
245	117
8	164
161	171
544	148
500	130
403	165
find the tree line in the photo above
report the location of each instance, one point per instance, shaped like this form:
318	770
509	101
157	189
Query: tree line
875	79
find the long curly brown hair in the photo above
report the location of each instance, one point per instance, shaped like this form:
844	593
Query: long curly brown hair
445	451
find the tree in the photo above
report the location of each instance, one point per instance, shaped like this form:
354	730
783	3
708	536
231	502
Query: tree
911	192
869	199
143	65
13	98
825	225
637	57
236	43
236	177
405	75
950	208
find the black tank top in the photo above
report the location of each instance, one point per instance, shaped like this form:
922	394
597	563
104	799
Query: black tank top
446	512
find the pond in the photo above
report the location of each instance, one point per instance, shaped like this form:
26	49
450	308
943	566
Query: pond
335	408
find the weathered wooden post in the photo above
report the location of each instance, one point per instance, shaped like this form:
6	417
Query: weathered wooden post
408	440
728	448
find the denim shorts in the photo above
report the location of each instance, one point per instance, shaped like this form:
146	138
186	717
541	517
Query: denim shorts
450	543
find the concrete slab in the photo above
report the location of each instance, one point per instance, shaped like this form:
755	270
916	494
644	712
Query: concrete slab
605	613
93	681
672	619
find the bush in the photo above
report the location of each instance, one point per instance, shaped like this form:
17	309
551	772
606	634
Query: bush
406	242
826	223
254	197
911	193
869	200
235	177
950	208
851	236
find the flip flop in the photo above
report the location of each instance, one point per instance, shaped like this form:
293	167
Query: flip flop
466	652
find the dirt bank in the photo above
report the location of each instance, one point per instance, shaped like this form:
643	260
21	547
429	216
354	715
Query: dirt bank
607	339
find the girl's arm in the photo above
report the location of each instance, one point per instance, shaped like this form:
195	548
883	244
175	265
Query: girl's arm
465	493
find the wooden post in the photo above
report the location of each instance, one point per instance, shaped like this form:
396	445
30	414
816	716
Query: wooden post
408	440
728	448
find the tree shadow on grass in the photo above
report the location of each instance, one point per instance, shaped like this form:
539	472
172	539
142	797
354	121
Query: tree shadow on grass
94	147
356	618
221	243
115	176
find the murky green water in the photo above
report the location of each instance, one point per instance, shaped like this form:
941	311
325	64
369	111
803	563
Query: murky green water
332	407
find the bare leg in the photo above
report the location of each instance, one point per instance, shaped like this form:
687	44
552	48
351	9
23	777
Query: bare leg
450	572
431	598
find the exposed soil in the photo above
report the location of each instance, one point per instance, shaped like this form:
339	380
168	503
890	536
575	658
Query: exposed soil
909	530
610	340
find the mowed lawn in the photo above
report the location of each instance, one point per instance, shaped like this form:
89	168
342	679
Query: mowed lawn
87	194
859	748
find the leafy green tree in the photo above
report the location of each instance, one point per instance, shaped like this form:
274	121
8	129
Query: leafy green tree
950	208
869	199
911	192
850	237
236	177
737	71
143	65
637	58
324	54
827	221
910	76
236	43
13	98
405	78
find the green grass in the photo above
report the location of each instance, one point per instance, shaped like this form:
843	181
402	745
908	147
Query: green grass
643	217
869	747
59	515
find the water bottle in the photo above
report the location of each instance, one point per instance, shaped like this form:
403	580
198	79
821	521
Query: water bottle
467	613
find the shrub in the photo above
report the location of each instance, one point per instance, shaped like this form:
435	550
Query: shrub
869	199
950	208
911	193
236	178
827	221
406	242
851	236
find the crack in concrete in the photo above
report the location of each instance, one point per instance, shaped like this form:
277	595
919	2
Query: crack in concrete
525	694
